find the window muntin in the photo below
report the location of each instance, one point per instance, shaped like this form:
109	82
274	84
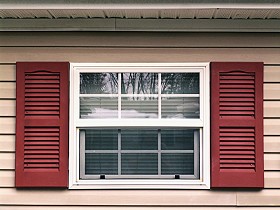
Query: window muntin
197	118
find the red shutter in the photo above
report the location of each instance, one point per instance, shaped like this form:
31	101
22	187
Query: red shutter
237	125
42	124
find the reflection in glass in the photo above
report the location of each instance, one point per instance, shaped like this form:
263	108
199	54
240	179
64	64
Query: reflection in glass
101	107
98	83
139	83
180	107
174	139
105	139
180	83
137	164
97	164
139	107
139	139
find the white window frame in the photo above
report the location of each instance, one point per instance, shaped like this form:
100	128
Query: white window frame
75	124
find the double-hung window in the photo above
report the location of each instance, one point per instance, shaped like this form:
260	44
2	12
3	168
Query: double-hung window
139	125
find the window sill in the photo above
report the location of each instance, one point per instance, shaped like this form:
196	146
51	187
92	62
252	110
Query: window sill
139	184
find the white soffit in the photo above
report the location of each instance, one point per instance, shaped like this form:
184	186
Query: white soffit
216	13
152	15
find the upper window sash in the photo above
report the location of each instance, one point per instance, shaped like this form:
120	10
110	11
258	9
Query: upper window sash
147	68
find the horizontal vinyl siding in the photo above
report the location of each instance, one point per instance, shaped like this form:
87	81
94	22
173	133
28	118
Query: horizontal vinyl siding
111	54
139	39
119	199
131	208
11	196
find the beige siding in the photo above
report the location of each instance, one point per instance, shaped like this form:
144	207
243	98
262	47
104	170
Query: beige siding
271	161
271	126
259	198
7	125
85	54
8	90
8	108
7	73
129	208
7	161
140	39
7	178
7	143
272	108
272	91
117	197
155	47
272	144
272	74
272	179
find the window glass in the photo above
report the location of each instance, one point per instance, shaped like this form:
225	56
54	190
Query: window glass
180	83
98	107
139	164
177	164
139	83
101	163
139	107
180	107
98	83
105	139
135	139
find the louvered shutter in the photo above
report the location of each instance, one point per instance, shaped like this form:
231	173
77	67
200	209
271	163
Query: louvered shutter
42	124
237	125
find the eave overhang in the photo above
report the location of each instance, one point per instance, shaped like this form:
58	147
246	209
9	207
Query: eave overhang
136	15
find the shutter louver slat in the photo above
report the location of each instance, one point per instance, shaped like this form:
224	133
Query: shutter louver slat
42	124
237	124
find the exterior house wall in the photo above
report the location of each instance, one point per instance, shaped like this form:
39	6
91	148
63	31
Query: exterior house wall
139	47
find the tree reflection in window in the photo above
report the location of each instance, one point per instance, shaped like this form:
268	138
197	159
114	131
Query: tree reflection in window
180	83
98	83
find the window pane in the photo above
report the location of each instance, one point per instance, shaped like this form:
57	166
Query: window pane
101	139
139	83
97	164
177	139
137	164
179	107
100	107
181	164
139	107
98	83
180	83
139	139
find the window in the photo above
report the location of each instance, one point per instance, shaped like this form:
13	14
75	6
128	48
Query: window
139	125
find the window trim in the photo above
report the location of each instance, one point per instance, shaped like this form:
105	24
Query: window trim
203	183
